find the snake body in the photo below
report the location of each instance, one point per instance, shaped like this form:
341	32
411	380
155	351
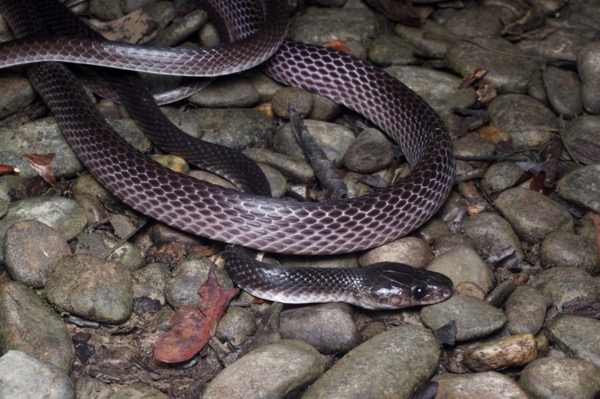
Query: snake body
249	220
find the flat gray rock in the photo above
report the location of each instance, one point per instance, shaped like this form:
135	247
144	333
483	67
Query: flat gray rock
269	372
29	325
43	380
474	318
391	364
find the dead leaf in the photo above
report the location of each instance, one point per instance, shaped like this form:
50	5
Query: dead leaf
472	78
42	165
596	220
192	327
8	170
337	44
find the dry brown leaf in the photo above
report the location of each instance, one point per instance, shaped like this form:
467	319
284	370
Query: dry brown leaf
42	165
192	327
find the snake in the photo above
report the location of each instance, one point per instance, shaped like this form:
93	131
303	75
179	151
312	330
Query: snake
252	220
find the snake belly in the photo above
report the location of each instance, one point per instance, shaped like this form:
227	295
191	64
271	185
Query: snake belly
252	221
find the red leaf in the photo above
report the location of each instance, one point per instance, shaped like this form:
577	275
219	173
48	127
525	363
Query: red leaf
41	164
8	170
337	44
192	328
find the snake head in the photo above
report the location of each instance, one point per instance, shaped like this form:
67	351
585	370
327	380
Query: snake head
396	285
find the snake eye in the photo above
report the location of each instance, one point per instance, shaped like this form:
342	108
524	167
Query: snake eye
419	291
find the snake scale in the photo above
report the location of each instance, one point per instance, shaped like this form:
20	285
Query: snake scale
254	221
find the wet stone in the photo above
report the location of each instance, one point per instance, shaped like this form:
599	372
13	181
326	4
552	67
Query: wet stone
228	92
439	89
44	380
236	326
588	65
62	214
561	43
296	169
31	250
577	336
237	128
92	288
582	187
563	284
271	371
391	364
431	46
528	122
561	379
489	385
564	91
370	152
492	234
39	137
533	215
333	139
526	310
138	390
508	74
29	325
290	97
478	21
353	26
330	327
17	94
387	49
510	351
566	249
411	251
88	388
187	277
150	282
472	145
499	177
464	264
474	318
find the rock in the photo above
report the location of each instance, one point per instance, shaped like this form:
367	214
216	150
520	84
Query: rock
564	284
391	364
509	74
370	152
557	378
411	251
474	318
236	325
582	187
578	336
526	310
227	92
564	91
533	215
271	371
464	264
492	234
489	385
44	380
329	327
30	326
588	65
187	277
515	350
564	249
499	177
92	288
31	250
62	214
